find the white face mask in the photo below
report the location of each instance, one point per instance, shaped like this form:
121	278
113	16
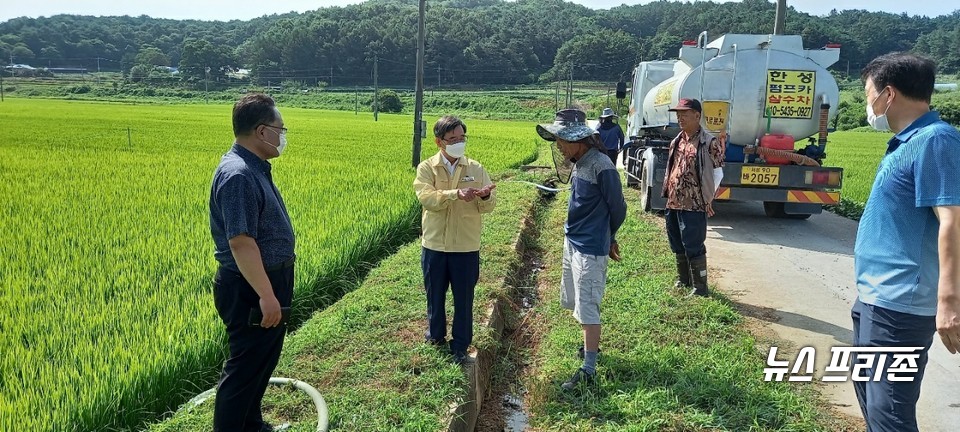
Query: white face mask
878	122
456	150
283	142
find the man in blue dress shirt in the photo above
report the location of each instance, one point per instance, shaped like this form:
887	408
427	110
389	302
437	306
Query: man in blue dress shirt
254	245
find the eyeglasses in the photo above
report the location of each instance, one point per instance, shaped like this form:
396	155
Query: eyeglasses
283	130
457	139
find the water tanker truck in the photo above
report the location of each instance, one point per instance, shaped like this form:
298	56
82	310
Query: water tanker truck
764	94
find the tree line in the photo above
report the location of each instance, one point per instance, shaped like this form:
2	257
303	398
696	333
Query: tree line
469	42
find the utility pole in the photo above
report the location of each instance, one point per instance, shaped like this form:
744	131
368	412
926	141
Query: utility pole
356	105
556	101
418	110
98	70
570	88
780	20
1	76
376	87
1	84
331	78
206	86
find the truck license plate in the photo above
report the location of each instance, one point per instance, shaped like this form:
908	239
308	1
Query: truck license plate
760	175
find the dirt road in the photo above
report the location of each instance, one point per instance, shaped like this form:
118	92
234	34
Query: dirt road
796	278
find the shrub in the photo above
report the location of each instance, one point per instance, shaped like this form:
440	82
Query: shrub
949	111
139	72
850	115
79	89
390	102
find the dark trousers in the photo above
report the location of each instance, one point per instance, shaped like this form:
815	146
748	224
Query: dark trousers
890	406
460	271
687	232
254	351
612	154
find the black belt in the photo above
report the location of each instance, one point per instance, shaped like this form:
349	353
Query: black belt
281	266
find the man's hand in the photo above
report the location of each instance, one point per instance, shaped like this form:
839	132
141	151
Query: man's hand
948	288
245	250
948	323
615	251
485	191
270	308
710	211
467	194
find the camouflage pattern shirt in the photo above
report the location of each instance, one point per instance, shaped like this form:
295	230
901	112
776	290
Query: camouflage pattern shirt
683	183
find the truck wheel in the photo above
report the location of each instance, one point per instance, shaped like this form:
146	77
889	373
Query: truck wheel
775	210
645	189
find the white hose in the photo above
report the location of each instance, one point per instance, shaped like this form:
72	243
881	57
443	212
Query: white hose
322	420
539	186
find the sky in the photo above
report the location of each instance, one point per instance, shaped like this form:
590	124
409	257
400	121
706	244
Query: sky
225	10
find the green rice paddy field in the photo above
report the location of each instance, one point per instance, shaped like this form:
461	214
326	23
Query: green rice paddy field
859	154
106	259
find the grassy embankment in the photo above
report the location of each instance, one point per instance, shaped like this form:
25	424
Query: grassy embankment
669	362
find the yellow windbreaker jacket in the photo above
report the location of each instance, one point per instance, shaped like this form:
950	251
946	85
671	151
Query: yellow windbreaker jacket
450	224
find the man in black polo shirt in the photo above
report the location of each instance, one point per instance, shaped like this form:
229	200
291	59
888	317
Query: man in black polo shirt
254	246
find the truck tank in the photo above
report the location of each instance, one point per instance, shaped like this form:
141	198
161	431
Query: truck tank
738	77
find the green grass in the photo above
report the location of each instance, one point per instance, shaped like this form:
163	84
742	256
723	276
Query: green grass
859	154
105	283
669	363
366	353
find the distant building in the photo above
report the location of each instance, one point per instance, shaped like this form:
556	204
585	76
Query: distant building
25	70
945	87
239	73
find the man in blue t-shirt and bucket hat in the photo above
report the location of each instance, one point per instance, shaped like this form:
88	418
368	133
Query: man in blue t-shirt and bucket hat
595	211
611	134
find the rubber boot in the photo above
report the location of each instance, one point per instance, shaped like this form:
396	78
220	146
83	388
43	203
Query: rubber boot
698	267
683	273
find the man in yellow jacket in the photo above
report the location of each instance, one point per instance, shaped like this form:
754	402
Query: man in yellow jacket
454	191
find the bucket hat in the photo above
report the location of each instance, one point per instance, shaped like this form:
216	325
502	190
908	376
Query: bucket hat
569	125
608	112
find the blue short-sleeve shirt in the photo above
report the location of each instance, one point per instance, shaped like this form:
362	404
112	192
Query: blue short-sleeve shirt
244	200
896	253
